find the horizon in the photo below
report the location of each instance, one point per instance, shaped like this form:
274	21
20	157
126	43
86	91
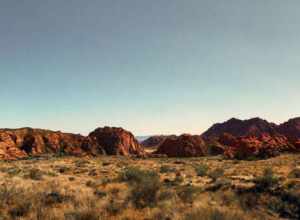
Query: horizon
141	137
149	67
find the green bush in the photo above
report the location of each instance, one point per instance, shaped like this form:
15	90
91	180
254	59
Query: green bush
35	174
144	186
167	169
188	193
201	169
134	174
266	181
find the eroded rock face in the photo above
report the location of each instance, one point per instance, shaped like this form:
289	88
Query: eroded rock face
255	137
260	146
24	142
154	141
183	146
117	141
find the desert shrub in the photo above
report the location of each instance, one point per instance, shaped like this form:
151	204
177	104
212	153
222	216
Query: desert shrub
228	197
35	174
188	193
295	173
83	215
114	207
134	174
201	169
81	163
165	195
20	209
13	171
144	186
93	172
216	173
266	181
62	169
105	181
248	201
52	198
9	193
167	169
90	183
213	214
288	204
144	193
99	193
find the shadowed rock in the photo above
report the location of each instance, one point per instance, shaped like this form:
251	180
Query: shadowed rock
155	140
183	146
117	141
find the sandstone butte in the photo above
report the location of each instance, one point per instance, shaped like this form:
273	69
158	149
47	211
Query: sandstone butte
25	142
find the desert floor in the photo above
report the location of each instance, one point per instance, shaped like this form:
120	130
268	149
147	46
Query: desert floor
112	187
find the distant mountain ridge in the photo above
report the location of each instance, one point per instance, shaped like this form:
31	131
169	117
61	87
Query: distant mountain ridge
254	127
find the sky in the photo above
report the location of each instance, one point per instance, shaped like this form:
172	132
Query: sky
151	67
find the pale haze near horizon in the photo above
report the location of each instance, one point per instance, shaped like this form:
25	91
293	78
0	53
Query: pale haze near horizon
152	67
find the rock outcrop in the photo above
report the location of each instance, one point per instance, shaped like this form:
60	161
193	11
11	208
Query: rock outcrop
117	141
255	137
260	147
238	128
183	146
291	129
154	141
24	142
27	142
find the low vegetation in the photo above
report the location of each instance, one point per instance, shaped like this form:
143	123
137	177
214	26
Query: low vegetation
129	188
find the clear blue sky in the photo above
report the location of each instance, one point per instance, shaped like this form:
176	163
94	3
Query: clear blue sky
159	66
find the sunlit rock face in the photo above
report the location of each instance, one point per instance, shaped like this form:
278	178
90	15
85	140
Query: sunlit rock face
117	141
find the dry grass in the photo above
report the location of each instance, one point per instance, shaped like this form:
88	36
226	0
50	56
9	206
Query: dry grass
164	188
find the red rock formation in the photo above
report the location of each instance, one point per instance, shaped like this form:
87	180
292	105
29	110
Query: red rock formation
24	142
183	146
154	141
255	137
238	128
291	129
262	146
116	141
